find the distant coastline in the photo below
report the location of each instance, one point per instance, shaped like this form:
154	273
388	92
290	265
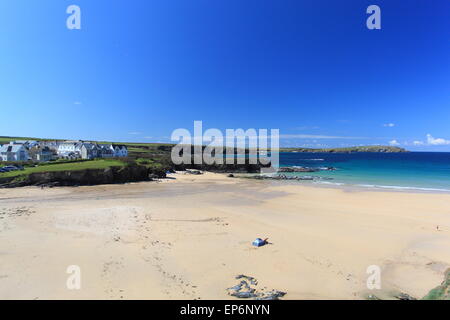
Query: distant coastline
381	149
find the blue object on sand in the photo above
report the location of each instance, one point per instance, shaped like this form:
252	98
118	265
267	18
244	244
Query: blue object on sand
259	242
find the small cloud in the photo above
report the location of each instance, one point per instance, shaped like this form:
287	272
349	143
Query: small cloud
148	137
307	128
418	143
436	141
78	103
394	143
134	133
389	125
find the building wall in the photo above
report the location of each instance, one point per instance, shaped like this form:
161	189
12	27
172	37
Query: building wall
20	155
44	157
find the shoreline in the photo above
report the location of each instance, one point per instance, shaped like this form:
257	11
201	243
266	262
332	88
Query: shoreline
354	187
312	184
189	237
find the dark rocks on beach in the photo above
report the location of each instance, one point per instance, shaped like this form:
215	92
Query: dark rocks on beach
271	295
12	185
404	296
244	290
252	280
222	168
153	177
292	178
304	169
230	175
49	185
194	172
297	169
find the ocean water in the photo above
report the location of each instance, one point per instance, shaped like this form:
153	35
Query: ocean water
412	170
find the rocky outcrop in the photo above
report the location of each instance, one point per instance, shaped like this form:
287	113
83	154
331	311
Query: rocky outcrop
285	177
247	289
132	172
304	169
222	168
109	175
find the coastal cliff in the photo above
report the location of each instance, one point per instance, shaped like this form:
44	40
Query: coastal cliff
112	175
109	175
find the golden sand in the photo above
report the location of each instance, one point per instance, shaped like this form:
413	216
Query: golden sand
187	238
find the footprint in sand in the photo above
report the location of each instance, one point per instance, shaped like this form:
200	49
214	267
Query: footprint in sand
109	272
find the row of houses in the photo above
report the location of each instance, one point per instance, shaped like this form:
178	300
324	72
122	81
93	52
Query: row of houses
24	150
89	150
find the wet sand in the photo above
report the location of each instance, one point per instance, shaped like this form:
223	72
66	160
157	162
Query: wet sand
187	238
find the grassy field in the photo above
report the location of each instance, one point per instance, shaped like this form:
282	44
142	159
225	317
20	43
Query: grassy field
72	166
8	139
441	292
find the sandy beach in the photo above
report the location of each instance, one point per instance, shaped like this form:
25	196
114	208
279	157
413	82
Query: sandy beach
188	237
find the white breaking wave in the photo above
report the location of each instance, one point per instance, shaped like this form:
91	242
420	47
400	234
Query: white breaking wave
332	183
402	188
373	186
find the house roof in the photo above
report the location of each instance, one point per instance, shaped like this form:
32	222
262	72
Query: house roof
89	146
11	148
121	146
43	149
76	144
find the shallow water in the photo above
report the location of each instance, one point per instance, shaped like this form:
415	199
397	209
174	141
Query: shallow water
412	170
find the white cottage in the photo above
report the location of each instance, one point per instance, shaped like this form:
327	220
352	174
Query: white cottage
13	152
90	151
70	148
105	151
119	150
41	154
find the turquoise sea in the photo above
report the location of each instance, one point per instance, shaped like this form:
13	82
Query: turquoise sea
412	170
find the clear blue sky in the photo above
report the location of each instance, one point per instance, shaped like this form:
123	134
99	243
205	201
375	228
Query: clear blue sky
137	70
